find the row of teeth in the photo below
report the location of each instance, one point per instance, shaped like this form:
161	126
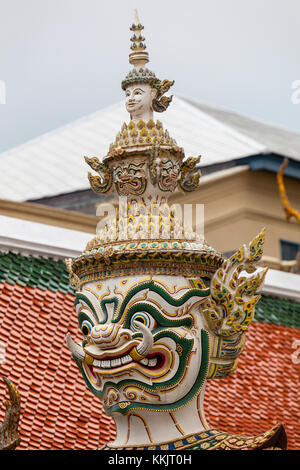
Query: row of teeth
108	364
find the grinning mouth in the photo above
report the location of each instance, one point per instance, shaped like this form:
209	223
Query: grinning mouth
152	361
128	182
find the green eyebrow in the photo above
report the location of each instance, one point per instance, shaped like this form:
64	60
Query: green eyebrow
163	322
163	293
83	298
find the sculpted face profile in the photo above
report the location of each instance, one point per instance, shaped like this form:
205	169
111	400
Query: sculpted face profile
159	315
139	98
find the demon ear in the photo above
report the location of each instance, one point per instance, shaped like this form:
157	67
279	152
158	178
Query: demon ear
229	309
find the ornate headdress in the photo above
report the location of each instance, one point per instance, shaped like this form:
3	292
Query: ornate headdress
139	57
147	236
146	165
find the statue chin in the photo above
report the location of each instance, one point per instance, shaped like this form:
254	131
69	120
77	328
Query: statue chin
139	114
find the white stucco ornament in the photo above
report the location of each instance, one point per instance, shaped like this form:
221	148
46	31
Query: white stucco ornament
160	310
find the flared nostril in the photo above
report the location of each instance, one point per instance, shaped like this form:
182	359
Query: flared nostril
98	333
109	336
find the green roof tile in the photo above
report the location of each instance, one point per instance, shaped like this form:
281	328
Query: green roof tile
278	311
49	274
34	272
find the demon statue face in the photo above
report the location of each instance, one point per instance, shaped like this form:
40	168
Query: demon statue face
144	342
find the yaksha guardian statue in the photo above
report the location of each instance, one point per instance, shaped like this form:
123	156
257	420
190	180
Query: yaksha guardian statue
161	311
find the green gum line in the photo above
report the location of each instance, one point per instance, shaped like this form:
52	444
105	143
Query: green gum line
183	401
186	345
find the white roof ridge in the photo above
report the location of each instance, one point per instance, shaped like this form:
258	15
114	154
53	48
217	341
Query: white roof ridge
243	138
33	238
237	113
61	128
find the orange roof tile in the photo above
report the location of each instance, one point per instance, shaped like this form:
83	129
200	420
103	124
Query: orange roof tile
59	412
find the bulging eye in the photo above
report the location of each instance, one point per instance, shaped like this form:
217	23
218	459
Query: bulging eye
86	327
144	318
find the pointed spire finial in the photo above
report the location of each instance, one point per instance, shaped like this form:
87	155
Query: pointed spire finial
136	17
141	74
139	57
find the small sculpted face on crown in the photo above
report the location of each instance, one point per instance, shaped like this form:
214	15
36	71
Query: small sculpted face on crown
139	97
144	344
169	175
130	178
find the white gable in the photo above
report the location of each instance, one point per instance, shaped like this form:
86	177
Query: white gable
53	163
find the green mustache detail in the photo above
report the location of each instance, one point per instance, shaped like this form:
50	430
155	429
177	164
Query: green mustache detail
153	307
194	390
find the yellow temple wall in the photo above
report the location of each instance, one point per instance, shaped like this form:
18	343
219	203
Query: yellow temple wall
238	203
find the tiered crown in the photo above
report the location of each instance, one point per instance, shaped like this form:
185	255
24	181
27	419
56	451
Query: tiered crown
145	165
142	136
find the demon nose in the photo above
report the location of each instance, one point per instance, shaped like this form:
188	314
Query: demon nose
109	336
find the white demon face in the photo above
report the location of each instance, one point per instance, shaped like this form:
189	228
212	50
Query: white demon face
144	345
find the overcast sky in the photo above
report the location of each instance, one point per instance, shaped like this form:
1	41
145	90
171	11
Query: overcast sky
63	59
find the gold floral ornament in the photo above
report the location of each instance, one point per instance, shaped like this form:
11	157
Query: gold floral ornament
103	182
189	179
9	438
144	136
230	307
161	103
74	279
